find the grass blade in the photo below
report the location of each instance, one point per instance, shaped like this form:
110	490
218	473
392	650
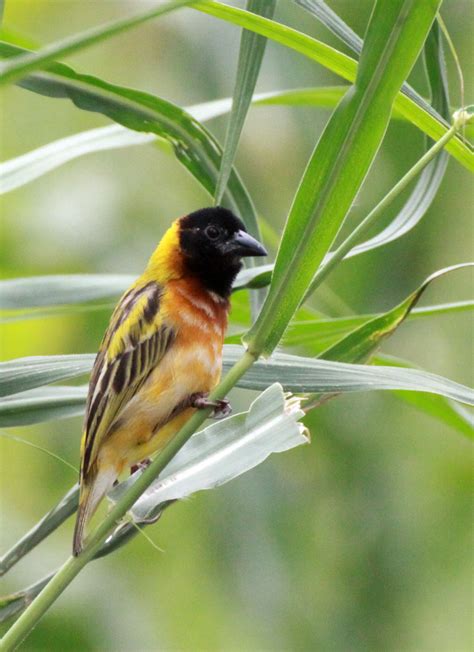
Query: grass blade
42	404
26	373
195	148
329	57
359	345
452	414
61	289
48	524
30	166
297	374
340	64
14	604
333	22
316	335
66	290
30	61
430	179
341	161
252	49
27	167
223	451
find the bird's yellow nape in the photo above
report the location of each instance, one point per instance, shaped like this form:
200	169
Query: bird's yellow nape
166	262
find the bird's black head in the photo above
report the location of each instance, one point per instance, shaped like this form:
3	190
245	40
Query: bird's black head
213	241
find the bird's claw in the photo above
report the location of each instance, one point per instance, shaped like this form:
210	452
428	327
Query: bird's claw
221	408
141	466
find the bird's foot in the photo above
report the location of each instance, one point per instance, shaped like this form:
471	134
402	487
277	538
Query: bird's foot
140	466
221	407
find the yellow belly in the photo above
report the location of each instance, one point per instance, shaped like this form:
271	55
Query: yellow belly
145	426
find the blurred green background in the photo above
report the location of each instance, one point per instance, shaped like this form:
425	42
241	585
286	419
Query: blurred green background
361	541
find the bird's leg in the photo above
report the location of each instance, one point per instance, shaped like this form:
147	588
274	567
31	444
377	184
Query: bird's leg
221	407
140	466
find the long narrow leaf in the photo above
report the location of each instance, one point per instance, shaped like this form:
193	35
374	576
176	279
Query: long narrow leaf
61	289
68	289
30	166
332	59
430	179
299	374
195	148
42	404
26	373
359	345
439	407
338	63
49	523
341	161
27	62
252	49
225	450
316	335
332	21
296	373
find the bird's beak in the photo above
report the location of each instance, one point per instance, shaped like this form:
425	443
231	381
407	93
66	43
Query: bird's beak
243	244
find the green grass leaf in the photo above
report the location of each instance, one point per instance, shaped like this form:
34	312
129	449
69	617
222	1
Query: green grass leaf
341	65
337	26
42	404
26	373
443	409
359	345
32	165
30	61
296	373
223	451
27	167
329	57
427	186
316	335
61	289
48	524
341	161
194	147
300	374
252	49
65	290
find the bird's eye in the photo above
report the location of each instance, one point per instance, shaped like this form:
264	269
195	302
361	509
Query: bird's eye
212	232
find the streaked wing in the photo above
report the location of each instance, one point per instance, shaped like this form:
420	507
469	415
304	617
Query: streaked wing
135	341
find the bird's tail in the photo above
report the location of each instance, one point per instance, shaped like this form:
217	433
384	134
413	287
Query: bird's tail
91	493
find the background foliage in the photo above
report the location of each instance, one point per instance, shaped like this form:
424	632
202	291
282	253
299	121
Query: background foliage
360	541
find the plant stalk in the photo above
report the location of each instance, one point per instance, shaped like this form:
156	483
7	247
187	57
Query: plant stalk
30	617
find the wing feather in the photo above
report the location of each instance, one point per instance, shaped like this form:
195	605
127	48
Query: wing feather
134	343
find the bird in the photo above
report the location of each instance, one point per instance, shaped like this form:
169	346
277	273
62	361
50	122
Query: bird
161	354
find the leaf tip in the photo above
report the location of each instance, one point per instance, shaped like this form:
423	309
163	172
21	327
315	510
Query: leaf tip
292	407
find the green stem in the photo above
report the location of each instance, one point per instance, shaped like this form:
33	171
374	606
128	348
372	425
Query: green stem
30	617
356	236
